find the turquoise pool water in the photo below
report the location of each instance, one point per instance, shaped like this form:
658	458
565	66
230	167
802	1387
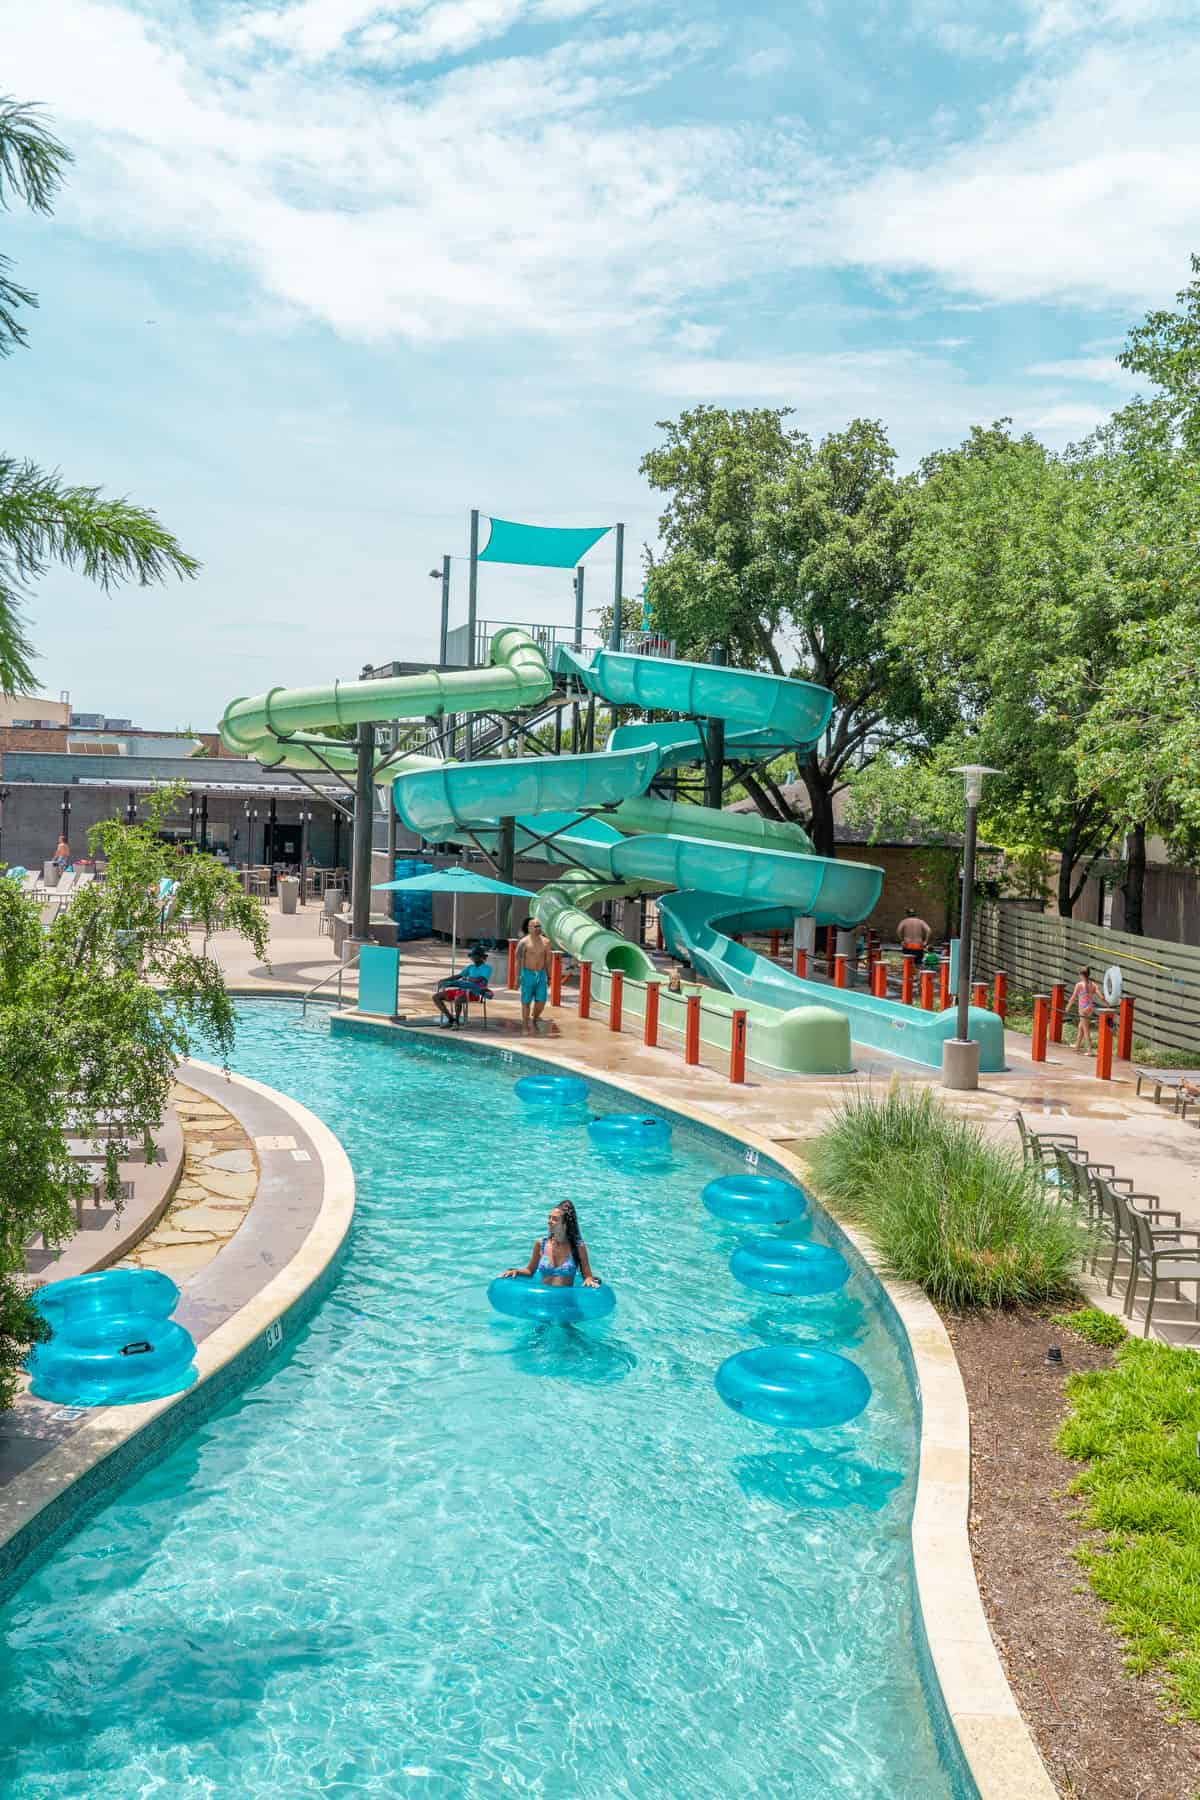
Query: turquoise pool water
432	1552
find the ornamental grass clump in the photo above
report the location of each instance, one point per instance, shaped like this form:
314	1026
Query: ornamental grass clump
947	1207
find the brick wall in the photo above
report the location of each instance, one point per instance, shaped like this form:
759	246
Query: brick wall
920	882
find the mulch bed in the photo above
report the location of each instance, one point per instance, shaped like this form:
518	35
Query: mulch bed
1103	1733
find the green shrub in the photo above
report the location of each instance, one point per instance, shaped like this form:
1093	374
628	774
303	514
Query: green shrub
947	1208
1135	1426
1097	1327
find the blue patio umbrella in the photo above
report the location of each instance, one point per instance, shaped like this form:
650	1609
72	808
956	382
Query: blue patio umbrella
455	881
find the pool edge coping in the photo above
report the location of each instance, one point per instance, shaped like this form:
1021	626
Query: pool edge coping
47	1485
996	1744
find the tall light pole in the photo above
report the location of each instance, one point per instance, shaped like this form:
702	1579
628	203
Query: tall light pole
960	1054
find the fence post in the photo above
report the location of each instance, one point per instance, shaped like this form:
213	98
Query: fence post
943	983
585	990
650	1028
979	994
906	981
839	971
1000	1001
1041	1021
927	990
658	936
512	964
802	964
1104	1046
1057	1000
737	1047
616	988
556	963
691	1033
1125	1028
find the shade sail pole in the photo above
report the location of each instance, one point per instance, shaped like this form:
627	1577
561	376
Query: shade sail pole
614	636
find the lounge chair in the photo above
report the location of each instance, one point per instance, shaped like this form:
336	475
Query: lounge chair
1171	1079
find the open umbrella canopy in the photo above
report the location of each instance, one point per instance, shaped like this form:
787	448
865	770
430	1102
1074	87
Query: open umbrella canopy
452	881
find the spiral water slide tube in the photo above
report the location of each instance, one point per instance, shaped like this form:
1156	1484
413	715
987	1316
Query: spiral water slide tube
719	873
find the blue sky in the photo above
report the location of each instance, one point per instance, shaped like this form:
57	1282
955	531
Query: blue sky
327	273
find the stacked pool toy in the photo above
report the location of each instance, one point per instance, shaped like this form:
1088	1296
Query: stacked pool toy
112	1340
783	1384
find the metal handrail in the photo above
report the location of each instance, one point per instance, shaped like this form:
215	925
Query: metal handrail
339	972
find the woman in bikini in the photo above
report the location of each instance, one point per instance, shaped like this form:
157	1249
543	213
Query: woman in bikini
1085	997
560	1255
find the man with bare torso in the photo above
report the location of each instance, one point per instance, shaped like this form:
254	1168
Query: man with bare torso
533	961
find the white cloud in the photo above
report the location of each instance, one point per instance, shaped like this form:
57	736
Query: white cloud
1103	369
764	62
1084	191
1052	20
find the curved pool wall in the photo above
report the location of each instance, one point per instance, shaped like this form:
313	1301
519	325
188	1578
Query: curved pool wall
818	1553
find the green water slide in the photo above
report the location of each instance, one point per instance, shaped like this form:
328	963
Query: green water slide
595	813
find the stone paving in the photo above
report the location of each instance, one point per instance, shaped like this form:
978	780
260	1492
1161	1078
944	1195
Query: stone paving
216	1191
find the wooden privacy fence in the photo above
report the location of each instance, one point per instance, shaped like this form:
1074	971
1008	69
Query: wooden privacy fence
1035	952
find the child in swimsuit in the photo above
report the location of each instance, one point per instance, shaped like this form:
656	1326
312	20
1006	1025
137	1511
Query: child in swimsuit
560	1255
1085	997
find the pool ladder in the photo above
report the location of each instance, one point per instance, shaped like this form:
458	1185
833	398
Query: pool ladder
317	986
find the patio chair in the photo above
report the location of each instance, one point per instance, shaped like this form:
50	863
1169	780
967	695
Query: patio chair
1116	1203
467	997
1037	1147
1161	1255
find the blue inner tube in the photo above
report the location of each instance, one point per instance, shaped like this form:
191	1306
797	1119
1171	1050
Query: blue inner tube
552	1090
754	1199
631	1131
113	1342
517	1298
785	1384
782	1266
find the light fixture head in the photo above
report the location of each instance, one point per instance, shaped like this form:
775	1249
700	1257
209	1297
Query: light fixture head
973	775
435	574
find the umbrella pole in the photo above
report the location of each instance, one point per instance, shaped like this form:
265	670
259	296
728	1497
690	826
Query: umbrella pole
453	933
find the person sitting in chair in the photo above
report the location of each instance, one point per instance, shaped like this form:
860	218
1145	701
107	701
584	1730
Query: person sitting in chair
474	979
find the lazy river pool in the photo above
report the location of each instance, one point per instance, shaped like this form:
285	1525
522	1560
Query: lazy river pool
431	1551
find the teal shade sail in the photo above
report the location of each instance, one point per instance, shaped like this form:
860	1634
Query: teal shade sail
539	546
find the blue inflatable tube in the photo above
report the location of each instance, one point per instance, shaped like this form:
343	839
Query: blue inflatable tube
552	1090
113	1341
786	1384
754	1199
631	1131
781	1266
518	1298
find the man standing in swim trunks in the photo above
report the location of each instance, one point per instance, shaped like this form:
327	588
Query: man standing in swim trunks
533	961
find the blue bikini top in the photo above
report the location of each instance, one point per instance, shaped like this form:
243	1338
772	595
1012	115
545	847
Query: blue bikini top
561	1271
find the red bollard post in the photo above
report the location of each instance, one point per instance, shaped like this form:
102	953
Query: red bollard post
943	984
512	965
1057	1008
650	1030
1000	998
616	988
585	990
556	963
906	981
927	990
774	945
1125	1028
879	980
1041	1026
979	995
691	1030
737	1047
1104	1046
802	964
830	947
839	971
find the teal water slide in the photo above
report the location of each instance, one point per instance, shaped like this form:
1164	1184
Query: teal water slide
717	874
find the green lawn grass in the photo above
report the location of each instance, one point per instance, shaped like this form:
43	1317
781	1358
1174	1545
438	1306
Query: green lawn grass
947	1207
1135	1428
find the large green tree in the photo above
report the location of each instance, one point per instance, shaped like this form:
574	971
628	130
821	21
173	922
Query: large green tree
44	519
787	555
96	1012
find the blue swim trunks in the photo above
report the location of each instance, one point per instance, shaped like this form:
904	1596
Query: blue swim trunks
533	986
